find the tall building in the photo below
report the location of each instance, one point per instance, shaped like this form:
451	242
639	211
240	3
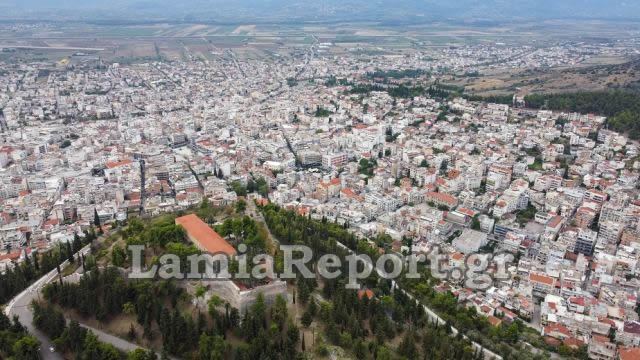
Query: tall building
585	242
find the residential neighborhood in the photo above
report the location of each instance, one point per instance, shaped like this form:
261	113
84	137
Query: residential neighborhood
96	142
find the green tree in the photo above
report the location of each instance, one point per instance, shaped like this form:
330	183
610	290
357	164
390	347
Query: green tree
140	354
241	205
96	218
118	256
279	312
27	348
307	318
212	347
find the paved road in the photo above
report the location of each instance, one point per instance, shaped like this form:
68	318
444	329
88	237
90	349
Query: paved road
535	319
9	46
488	354
22	309
20	306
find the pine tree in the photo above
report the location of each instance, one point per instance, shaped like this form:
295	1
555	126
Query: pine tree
447	327
70	253
96	218
304	293
92	234
77	243
307	318
407	347
36	263
312	307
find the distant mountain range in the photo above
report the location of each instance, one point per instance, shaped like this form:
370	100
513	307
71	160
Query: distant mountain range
279	11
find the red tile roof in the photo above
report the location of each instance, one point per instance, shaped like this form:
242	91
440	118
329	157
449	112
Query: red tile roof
494	321
205	237
555	221
366	292
262	202
11	256
577	300
556	329
115	164
442	197
541	279
573	342
629	353
600	338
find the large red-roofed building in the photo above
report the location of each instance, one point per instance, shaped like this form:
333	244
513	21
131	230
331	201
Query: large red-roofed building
205	238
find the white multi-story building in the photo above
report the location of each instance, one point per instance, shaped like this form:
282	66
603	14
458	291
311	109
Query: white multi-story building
332	161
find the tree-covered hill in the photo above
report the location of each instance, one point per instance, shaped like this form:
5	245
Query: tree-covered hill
621	107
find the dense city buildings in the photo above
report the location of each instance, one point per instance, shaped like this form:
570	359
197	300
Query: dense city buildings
347	139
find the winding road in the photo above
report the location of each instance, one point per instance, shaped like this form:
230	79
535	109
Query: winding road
20	306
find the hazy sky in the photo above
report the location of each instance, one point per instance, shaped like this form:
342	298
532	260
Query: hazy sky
320	10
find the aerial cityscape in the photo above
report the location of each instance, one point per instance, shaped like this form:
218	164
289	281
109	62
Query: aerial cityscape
332	180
